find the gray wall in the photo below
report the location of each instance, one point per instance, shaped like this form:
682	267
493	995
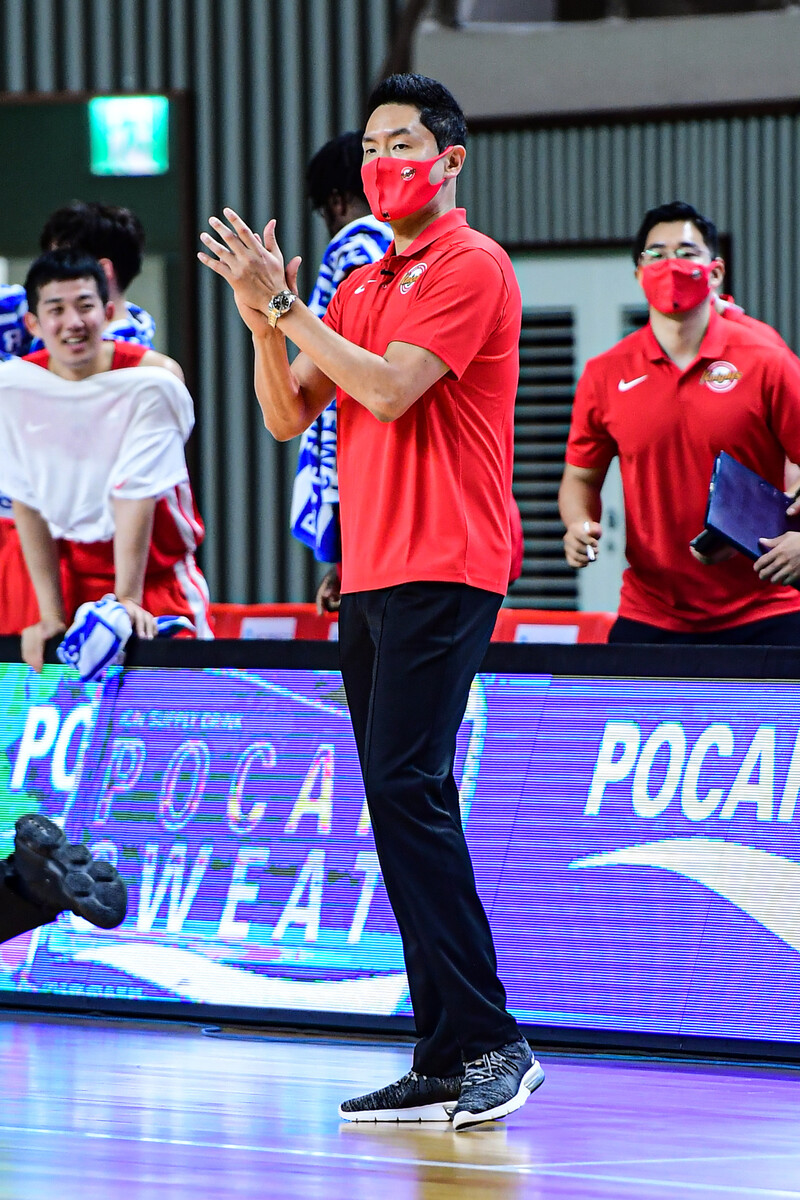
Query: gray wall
614	65
594	182
270	80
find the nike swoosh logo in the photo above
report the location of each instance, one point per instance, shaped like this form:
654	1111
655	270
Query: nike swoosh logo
625	387
763	885
361	289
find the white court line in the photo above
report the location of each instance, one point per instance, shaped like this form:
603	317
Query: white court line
533	1170
676	1185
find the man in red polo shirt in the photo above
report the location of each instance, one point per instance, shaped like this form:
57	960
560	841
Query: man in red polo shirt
421	350
666	400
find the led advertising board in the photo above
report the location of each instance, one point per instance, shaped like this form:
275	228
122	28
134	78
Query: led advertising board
635	843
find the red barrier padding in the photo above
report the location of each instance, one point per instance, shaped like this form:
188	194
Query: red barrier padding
286	622
532	625
282	622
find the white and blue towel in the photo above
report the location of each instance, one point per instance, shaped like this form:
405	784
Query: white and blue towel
14	336
315	496
97	638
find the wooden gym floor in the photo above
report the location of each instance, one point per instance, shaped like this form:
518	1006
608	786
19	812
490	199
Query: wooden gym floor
94	1109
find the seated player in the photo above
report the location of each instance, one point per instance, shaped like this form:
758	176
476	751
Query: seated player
17	599
92	455
115	237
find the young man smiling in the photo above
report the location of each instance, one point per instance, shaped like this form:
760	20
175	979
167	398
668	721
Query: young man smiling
421	351
666	400
115	237
92	456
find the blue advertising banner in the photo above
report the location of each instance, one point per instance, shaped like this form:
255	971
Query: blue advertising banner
634	841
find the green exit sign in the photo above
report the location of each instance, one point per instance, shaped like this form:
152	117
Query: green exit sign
129	135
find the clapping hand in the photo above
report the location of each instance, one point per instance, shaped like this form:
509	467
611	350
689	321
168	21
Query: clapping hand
252	265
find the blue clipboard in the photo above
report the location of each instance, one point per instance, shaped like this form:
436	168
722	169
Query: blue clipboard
743	507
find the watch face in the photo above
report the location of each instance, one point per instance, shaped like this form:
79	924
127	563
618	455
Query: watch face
282	302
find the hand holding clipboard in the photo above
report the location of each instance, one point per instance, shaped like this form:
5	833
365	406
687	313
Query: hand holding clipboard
751	515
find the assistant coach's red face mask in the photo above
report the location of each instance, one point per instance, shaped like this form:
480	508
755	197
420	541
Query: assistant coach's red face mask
676	285
397	187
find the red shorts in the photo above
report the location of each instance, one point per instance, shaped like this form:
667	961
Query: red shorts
179	590
18	606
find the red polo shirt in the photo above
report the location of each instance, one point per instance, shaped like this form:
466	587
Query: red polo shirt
764	332
426	497
667	425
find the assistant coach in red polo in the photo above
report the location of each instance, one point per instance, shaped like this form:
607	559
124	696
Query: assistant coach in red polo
666	400
421	351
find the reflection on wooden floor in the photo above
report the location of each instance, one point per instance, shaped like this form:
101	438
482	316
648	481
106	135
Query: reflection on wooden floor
110	1110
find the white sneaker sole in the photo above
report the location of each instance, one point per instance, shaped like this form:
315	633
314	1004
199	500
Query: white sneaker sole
531	1080
424	1112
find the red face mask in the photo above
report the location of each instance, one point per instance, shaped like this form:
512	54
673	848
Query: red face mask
398	187
676	285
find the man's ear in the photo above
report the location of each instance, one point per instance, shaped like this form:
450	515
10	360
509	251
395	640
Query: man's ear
337	203
717	273
108	271
32	324
454	161
109	311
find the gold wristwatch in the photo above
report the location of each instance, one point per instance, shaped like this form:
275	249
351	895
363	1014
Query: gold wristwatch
279	305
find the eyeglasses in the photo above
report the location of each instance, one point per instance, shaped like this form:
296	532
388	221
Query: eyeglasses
655	254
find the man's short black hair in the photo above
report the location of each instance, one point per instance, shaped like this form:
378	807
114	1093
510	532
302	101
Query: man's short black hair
336	169
102	230
676	210
56	265
439	110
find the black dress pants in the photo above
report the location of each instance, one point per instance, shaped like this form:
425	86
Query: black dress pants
783	630
408	656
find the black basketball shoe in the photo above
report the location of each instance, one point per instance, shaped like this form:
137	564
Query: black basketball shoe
413	1098
54	874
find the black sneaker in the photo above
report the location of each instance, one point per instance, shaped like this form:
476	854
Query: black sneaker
56	875
497	1084
413	1098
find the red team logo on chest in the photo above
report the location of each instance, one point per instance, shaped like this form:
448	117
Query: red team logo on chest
412	276
721	376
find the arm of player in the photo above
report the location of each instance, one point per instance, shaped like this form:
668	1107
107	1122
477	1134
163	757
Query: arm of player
41	559
580	507
153	358
329	592
133	527
291	397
